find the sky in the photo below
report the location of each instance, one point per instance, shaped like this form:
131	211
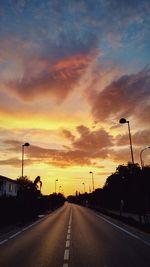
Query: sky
69	70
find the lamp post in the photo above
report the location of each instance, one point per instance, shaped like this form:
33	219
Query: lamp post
60	189
141	159
55	184
92	180
26	144
122	121
84	187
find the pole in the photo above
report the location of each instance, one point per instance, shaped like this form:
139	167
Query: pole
84	186
55	185
141	159
92	180
22	158
142	164
130	142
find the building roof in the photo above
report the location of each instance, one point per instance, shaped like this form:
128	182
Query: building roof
3	178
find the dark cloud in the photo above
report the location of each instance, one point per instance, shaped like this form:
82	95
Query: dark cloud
67	28
140	138
124	155
127	96
93	141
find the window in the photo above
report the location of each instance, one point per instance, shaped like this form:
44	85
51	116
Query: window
10	187
15	188
1	185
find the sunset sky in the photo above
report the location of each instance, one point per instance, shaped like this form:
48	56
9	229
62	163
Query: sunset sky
69	70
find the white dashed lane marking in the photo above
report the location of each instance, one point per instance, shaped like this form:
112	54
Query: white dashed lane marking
69	231
67	243
66	253
68	236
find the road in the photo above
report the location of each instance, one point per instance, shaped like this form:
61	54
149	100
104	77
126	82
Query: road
75	236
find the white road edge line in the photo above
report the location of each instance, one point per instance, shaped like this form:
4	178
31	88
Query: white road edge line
66	254
19	232
2	242
122	229
14	235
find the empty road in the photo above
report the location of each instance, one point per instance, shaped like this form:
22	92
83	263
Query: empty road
75	236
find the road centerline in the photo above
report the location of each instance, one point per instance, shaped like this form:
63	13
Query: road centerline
67	251
66	254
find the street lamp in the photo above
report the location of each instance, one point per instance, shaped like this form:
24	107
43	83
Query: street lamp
122	121
84	186
92	180
55	184
141	159
26	144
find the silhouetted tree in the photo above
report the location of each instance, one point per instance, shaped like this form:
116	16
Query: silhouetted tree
38	181
27	187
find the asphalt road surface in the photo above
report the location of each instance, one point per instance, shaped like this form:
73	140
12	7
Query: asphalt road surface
75	236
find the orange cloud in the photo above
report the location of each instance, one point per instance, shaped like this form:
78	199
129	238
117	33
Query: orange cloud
40	78
83	150
68	135
15	162
73	62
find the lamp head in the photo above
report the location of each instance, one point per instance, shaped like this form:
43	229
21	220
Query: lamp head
90	172
26	144
123	120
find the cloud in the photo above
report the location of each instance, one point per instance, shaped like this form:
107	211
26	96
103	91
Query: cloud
85	149
140	138
128	12
15	162
38	77
92	141
103	173
125	97
124	155
13	145
68	135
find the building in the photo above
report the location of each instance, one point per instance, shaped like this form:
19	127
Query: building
8	187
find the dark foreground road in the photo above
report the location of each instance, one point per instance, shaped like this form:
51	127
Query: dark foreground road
74	236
